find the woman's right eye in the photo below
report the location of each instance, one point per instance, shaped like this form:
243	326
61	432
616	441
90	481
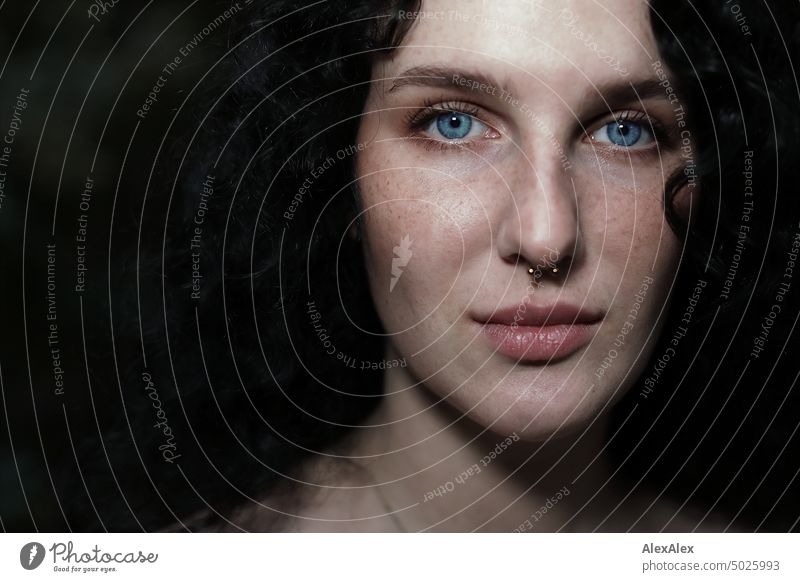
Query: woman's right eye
449	125
455	126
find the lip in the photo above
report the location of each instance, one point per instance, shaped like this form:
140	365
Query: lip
540	333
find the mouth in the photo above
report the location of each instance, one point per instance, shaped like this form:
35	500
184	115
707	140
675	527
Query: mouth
540	334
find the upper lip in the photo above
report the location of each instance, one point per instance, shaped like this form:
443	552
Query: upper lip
539	316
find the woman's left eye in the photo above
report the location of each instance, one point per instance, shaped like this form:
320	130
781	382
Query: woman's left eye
455	126
624	133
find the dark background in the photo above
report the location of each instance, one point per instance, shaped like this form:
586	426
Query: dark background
87	79
737	452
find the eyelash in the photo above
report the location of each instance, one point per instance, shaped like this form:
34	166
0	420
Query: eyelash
662	136
417	120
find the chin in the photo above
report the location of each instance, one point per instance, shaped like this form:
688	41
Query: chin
535	409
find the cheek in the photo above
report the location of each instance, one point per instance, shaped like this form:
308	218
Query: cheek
628	241
413	238
623	213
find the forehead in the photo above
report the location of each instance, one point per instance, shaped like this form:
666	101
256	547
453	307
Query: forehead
566	42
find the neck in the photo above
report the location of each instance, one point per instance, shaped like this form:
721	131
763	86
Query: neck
436	470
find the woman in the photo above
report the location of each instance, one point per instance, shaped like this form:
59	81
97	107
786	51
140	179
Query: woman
436	247
465	141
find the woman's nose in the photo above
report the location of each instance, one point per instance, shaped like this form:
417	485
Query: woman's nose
539	224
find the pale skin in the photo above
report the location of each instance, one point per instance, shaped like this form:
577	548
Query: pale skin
537	177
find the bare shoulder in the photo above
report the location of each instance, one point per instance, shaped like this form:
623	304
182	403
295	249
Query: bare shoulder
667	515
327	497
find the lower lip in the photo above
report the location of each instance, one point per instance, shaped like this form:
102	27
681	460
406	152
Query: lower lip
539	344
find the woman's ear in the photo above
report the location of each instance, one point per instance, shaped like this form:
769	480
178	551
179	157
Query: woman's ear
686	201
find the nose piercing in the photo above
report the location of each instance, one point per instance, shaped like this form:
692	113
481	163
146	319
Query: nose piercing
531	270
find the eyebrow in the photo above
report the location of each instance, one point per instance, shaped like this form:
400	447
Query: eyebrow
609	93
638	90
439	76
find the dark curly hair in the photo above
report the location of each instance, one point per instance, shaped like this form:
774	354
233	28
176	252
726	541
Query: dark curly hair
722	414
251	235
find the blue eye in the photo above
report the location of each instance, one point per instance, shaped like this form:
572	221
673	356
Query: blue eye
624	133
457	126
454	125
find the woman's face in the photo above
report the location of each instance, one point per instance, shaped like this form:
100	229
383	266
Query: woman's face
510	135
